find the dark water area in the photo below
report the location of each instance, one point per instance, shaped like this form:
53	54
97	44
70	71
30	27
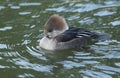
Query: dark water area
22	21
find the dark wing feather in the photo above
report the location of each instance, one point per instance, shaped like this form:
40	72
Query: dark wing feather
73	33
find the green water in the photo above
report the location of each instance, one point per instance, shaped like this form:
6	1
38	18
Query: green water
22	21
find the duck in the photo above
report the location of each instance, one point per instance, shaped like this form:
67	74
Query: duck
59	36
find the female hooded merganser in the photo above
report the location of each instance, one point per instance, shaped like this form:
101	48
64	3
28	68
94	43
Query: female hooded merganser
58	36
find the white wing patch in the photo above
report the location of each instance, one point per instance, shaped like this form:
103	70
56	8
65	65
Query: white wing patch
84	34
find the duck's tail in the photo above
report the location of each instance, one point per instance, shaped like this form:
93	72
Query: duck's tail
103	36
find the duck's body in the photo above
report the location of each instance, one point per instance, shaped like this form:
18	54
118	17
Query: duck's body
59	36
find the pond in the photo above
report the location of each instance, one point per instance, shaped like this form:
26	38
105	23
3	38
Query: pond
22	21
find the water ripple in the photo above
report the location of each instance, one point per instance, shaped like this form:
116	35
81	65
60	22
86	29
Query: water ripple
108	68
117	64
25	64
15	7
112	55
2	7
94	74
104	13
9	54
2	67
6	28
26	75
70	64
115	23
82	7
87	20
29	4
35	53
3	46
24	13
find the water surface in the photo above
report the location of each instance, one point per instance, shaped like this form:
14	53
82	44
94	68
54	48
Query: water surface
22	21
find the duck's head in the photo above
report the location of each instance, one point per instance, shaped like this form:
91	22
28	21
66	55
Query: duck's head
55	26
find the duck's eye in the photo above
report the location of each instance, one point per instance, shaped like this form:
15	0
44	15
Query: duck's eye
50	30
